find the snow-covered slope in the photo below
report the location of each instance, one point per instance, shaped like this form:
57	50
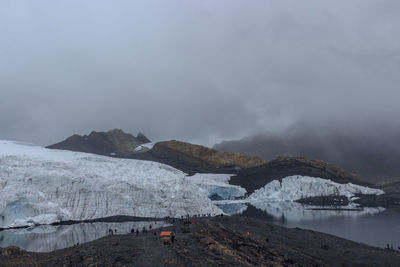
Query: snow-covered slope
39	185
297	187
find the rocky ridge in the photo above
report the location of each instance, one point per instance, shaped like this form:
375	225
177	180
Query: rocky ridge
195	158
184	156
111	143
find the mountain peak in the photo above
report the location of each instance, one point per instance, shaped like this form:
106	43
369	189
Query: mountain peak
113	142
141	137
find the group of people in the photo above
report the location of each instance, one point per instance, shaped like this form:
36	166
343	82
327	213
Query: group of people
144	230
137	231
201	215
390	247
111	231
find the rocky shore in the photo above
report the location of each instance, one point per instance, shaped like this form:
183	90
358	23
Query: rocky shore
221	241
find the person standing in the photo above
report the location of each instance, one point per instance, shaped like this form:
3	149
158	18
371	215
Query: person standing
172	238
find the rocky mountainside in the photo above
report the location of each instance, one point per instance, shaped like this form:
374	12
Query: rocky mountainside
195	158
184	156
111	143
142	138
257	177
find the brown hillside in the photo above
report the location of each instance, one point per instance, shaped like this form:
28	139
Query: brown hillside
207	155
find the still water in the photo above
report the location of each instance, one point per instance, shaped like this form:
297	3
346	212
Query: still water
47	238
372	226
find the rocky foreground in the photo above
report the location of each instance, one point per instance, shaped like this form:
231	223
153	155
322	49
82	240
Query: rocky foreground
220	241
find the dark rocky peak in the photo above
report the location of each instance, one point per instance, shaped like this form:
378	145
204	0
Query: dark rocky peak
114	142
142	138
75	137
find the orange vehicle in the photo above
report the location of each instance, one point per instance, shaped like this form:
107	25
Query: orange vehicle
166	237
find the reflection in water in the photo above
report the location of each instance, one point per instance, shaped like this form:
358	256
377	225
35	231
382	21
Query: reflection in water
373	226
47	238
293	211
233	208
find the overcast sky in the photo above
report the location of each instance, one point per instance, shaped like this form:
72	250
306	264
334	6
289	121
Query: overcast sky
201	71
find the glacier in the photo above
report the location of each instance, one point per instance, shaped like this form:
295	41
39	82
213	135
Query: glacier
278	198
217	185
41	186
296	187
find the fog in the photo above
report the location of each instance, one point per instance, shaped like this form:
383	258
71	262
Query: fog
198	71
372	153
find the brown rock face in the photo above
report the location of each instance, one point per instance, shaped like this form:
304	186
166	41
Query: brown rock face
282	167
190	155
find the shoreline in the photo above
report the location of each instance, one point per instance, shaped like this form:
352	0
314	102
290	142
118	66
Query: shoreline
110	219
213	241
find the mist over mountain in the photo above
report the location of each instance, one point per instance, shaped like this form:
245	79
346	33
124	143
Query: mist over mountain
197	71
371	152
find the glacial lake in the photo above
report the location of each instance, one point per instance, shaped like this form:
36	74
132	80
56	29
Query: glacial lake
373	226
47	238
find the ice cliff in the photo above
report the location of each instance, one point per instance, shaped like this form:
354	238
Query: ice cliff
39	185
217	185
297	187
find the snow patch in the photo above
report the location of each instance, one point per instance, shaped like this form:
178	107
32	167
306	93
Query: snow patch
145	147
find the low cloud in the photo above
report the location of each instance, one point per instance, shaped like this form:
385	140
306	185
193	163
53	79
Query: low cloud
371	152
199	71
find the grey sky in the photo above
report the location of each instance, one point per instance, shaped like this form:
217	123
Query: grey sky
200	71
